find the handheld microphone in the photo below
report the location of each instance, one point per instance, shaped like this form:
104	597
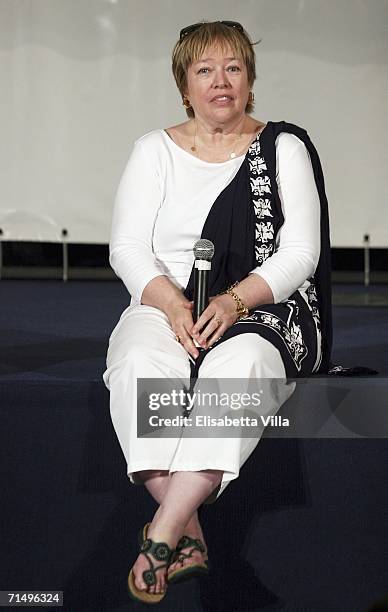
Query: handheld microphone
203	253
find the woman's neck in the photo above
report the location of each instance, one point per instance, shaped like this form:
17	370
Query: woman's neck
222	135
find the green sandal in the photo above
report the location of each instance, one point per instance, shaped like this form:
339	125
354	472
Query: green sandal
197	569
161	552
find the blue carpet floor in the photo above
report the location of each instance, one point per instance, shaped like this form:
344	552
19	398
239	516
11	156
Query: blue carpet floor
303	529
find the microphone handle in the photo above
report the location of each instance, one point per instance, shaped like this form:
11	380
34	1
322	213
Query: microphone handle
201	292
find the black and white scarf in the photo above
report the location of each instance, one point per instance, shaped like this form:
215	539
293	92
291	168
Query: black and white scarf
243	223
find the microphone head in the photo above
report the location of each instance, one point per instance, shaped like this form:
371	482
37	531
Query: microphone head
204	249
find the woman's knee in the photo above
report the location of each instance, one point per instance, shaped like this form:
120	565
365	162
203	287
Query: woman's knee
243	355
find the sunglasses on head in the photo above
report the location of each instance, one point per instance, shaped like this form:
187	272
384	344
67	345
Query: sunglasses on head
191	28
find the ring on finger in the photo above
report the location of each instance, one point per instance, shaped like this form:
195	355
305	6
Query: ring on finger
178	339
218	320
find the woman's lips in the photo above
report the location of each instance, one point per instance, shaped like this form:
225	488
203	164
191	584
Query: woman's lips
222	101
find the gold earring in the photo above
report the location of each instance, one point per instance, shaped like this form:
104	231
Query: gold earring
186	102
251	97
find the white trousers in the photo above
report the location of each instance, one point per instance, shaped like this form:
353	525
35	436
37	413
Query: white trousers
143	345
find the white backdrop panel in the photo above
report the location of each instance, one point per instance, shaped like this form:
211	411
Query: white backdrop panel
80	80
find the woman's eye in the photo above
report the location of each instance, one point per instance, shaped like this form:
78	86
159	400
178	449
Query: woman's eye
230	68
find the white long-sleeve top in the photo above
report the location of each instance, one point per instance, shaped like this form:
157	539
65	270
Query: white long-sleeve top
164	197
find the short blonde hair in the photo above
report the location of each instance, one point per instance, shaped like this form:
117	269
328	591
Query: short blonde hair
192	47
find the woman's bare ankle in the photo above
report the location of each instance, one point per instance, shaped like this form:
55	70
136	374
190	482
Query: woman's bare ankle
166	531
193	528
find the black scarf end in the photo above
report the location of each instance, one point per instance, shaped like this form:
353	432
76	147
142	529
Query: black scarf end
339	370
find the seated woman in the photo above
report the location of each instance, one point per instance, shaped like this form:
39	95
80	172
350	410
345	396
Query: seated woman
255	190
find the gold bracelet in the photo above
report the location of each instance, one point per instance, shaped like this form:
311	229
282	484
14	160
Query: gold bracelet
241	309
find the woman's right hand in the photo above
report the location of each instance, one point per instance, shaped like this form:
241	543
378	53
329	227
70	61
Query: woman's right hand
181	320
161	293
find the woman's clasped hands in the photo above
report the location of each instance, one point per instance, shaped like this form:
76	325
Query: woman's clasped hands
219	315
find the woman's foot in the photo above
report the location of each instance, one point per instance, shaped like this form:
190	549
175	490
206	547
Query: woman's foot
193	530
163	555
142	564
157	533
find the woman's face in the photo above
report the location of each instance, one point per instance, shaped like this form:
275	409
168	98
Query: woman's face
217	86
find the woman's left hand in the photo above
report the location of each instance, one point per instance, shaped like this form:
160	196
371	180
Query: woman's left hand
219	315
